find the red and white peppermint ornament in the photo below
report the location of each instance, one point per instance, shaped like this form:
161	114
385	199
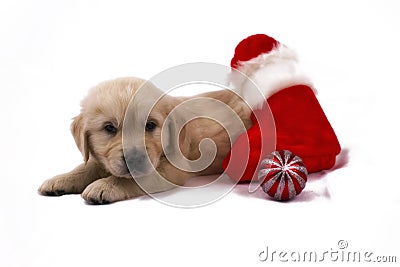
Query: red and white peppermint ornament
283	175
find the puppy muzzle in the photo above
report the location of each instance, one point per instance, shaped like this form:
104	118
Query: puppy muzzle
137	162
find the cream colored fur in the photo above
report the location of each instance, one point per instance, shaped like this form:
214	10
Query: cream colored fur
104	176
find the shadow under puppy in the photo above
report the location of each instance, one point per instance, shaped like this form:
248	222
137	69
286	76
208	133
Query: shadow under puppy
125	132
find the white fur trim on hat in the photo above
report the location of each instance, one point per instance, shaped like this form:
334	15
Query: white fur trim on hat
271	72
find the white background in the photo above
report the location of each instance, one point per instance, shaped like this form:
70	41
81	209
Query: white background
52	52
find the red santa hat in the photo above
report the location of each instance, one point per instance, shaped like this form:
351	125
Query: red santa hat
252	47
300	123
271	65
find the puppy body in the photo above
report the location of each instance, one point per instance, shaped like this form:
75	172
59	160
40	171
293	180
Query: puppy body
190	138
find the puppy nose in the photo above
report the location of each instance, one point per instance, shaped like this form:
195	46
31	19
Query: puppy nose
136	161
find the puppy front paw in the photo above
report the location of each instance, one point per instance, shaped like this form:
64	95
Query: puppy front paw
58	186
111	189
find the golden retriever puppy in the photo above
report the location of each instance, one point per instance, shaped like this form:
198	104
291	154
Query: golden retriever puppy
136	142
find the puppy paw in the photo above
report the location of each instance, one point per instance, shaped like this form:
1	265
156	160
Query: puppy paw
110	189
60	185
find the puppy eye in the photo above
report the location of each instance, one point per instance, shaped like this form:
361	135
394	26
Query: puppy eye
110	129
150	126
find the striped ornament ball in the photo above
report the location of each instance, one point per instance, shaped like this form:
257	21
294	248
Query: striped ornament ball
283	175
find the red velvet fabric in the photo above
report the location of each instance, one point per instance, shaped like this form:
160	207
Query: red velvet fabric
301	127
252	47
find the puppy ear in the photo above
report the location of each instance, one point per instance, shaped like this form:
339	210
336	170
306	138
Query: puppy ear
176	140
81	135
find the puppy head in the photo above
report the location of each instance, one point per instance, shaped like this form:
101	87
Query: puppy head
97	130
121	127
